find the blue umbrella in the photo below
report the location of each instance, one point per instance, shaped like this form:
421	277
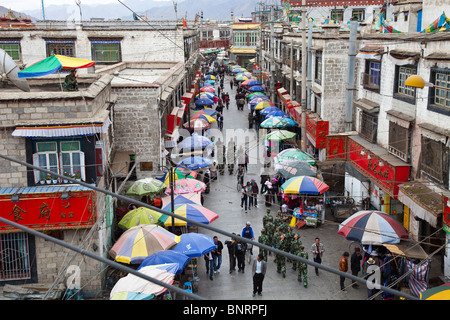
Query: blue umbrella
277	113
195	142
206	84
166	256
204	102
257	99
195	162
269	110
254	83
194	244
256	89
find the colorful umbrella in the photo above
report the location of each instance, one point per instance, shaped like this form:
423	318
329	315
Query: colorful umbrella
197	124
251	95
145	187
239	70
204	102
278	113
178	174
203	116
195	142
132	287
241	77
210	81
257	99
184	186
195	244
210	77
296	168
192	198
437	293
141	215
207	89
304	185
372	227
264	104
268	109
166	256
278	122
207	94
256	89
280	135
137	243
53	64
195	162
209	112
253	83
194	212
294	154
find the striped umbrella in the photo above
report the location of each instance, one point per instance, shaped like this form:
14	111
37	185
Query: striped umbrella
264	104
194	212
183	186
304	185
437	293
294	154
141	215
372	227
197	124
137	243
278	122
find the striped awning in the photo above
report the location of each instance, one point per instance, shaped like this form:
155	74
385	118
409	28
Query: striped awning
43	189
64	130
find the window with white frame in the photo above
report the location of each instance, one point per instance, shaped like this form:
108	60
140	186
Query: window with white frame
401	91
62	157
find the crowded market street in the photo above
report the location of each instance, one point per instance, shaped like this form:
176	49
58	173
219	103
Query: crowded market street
225	200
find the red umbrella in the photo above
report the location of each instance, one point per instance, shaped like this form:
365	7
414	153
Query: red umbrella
207	89
197	124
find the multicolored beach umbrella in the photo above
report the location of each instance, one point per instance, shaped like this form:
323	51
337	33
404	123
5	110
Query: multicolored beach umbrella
137	243
193	212
163	257
304	185
372	227
53	64
141	215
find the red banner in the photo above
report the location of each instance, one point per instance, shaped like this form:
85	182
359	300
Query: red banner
47	211
385	175
336	147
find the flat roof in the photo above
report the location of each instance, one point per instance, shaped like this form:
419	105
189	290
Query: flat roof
133	76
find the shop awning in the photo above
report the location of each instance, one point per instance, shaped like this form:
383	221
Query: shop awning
367	105
242	51
370	52
407	249
63	130
399	118
423	202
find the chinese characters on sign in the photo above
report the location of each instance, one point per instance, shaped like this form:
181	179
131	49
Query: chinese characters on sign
47	211
336	147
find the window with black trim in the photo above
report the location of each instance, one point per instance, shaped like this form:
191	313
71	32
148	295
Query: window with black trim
318	68
61	47
434	160
439	93
399	141
337	15
358	14
368	126
401	91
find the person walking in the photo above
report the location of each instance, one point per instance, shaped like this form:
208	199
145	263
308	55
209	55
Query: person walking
343	267
248	189
231	245
209	264
302	266
355	265
263	239
244	197
255	191
259	269
317	249
295	249
241	247
217	254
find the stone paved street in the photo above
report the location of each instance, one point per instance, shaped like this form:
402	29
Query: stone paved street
225	200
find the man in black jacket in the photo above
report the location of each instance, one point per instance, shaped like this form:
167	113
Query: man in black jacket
217	254
355	265
231	245
241	247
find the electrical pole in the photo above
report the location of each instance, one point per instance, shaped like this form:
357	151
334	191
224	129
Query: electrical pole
351	76
303	100
308	87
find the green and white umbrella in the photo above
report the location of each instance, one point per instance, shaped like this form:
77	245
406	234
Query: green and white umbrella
279	135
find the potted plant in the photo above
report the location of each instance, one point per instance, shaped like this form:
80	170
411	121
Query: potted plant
42	181
48	179
66	175
78	175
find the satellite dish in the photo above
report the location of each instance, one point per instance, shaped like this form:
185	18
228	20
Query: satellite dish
9	71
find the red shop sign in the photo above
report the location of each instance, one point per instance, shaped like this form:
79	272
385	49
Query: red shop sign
47	211
385	175
336	147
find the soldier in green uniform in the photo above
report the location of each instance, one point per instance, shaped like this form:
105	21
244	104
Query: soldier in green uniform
263	239
281	260
303	267
268	217
295	244
270	230
289	235
278	219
